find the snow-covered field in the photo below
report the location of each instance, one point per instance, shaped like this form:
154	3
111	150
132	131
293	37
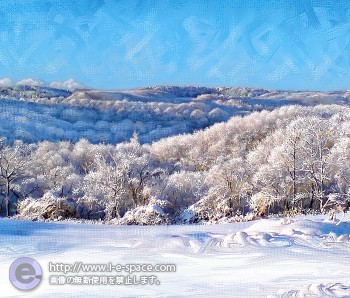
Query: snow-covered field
299	257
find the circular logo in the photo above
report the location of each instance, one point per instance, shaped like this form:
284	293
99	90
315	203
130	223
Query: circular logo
25	274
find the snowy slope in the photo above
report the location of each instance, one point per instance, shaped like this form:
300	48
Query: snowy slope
34	113
301	257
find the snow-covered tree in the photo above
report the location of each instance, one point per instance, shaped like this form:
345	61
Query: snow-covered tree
229	186
13	163
317	139
120	177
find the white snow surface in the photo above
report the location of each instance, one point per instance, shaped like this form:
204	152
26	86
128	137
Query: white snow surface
306	256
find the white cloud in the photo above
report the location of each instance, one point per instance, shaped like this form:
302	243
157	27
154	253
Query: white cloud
5	82
30	82
70	84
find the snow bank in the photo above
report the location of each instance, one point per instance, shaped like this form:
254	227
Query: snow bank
316	290
289	232
50	206
53	207
303	257
144	215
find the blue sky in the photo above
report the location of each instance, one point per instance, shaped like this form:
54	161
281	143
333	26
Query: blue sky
295	44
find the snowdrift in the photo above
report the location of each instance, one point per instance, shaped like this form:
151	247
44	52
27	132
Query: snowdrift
298	257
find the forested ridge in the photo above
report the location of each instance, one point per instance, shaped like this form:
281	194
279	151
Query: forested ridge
292	159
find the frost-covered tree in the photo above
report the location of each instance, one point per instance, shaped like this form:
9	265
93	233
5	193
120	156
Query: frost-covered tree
107	182
54	170
13	163
119	178
229	185
282	172
180	189
339	163
317	139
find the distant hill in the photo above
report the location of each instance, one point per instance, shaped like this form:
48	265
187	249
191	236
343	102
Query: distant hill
34	113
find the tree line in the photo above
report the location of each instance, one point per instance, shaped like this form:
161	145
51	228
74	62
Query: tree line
290	160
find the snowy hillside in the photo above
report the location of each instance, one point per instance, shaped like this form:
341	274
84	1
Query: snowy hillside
301	257
291	160
34	113
199	156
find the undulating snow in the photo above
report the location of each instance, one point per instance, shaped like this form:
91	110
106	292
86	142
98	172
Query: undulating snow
297	257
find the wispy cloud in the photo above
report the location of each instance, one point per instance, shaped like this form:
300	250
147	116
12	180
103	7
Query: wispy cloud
70	84
5	82
30	82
